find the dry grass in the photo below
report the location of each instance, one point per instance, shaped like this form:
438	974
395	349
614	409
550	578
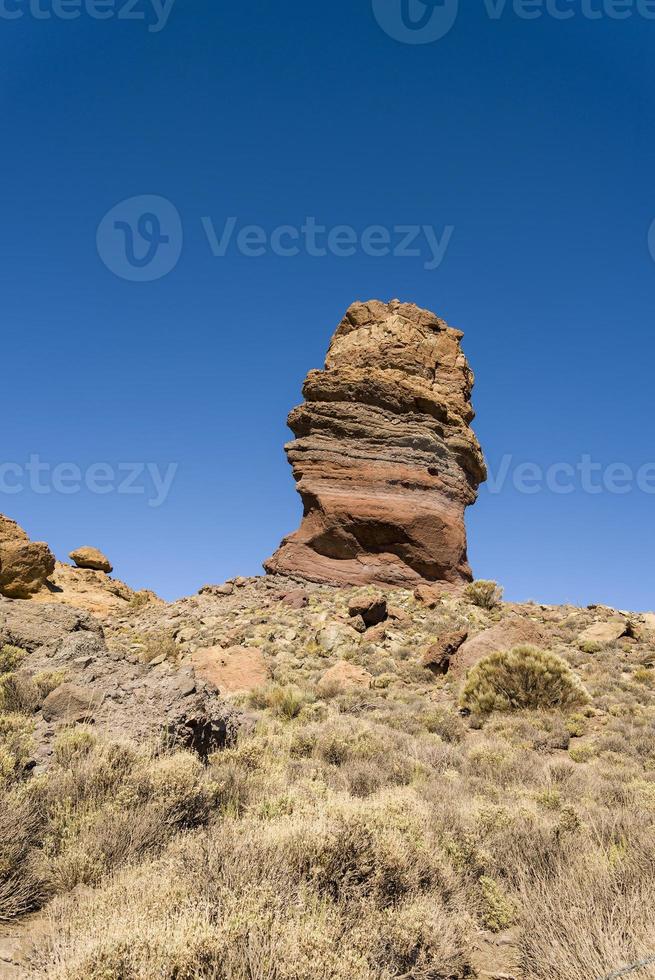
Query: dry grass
369	835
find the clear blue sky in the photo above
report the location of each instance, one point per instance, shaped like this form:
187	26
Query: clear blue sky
533	139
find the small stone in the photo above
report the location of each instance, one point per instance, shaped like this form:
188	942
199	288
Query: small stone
358	624
398	614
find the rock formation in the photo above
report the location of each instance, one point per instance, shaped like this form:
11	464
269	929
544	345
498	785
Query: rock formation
29	570
25	565
384	459
87	557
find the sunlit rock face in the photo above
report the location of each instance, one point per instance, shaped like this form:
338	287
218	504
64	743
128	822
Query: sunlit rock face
384	457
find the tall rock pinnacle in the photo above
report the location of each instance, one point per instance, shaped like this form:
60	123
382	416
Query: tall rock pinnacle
384	459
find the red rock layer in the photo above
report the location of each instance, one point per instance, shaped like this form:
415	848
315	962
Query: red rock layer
384	459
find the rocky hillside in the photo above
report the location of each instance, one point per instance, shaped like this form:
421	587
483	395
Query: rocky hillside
284	779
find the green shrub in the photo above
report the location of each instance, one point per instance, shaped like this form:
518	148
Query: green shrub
498	912
521	678
484	593
11	658
284	702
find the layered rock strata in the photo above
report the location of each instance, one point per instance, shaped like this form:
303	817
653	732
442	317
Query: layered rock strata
384	458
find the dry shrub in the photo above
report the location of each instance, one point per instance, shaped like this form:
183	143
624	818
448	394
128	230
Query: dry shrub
593	915
18	694
359	896
524	677
483	593
23	887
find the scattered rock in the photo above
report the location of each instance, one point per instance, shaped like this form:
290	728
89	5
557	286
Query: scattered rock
337	637
231	670
372	609
68	703
226	589
25	565
344	676
296	599
506	635
384	458
428	596
438	656
357	624
604	633
649	620
376	634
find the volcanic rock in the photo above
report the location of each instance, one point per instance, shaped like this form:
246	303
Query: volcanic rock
372	609
344	676
232	670
438	655
506	635
384	459
25	565
87	557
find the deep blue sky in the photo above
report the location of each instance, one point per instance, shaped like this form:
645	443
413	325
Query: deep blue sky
535	139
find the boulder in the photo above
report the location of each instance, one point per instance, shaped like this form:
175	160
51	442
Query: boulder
337	638
439	654
506	635
25	565
231	670
384	459
344	676
69	703
296	599
87	557
428	596
604	633
219	590
372	609
649	620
